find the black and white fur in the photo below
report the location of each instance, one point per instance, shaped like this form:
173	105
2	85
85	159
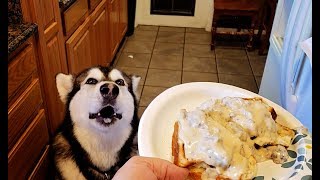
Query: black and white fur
90	145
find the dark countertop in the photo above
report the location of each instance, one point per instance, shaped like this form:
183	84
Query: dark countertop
64	4
18	30
19	33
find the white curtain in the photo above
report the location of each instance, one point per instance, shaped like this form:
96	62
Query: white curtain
296	76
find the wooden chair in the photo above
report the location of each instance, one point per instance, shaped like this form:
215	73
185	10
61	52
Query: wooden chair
237	10
268	13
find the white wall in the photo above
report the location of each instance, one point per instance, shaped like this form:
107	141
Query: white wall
199	20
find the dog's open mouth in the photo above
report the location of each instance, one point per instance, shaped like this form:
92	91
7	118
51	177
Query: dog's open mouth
106	116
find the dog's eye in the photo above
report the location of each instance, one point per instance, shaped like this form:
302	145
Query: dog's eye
120	82
92	81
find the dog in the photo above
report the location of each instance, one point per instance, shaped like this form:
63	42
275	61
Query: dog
99	131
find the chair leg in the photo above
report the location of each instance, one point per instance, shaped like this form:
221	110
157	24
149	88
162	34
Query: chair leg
251	34
213	32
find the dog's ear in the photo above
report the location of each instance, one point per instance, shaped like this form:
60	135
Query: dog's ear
64	85
135	82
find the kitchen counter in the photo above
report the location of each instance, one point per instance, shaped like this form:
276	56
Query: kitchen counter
18	30
19	33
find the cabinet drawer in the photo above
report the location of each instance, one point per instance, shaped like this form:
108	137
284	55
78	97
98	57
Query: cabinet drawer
20	70
74	14
93	3
42	169
25	154
21	113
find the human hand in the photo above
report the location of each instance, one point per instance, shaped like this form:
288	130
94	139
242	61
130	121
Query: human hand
141	168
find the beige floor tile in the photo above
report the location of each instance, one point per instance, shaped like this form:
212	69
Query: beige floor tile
149	93
172	29
163	78
257	63
257	66
196	30
146	28
168	48
138	47
196	38
170	36
134	60
148	36
242	81
258	80
141	111
160	61
233	66
198	77
255	53
223	53
198	50
199	64
142	72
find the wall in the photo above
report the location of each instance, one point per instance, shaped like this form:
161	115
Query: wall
199	20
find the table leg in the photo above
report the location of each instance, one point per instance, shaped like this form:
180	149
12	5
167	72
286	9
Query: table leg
251	34
213	32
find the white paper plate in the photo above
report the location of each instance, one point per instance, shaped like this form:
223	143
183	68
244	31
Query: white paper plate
156	127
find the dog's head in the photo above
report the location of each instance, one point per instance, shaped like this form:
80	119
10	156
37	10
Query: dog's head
99	97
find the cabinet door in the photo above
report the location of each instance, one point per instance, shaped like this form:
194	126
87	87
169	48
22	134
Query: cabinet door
78	49
123	18
99	34
51	53
114	26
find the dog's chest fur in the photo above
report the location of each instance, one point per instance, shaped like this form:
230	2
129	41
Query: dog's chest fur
103	149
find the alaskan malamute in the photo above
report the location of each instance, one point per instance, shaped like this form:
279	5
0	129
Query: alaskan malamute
99	131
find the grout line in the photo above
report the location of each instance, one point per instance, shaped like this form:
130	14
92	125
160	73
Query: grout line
235	74
215	59
155	68
145	80
160	86
252	70
184	45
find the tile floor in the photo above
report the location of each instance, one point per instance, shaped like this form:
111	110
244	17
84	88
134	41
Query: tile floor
168	56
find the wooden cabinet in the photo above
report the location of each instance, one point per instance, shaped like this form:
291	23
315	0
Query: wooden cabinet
88	45
114	26
74	15
79	48
97	39
51	53
123	18
35	109
28	134
99	36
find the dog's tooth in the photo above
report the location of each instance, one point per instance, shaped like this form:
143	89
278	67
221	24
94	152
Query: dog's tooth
107	120
98	114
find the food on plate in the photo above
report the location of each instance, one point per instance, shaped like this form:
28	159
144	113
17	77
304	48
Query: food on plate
226	138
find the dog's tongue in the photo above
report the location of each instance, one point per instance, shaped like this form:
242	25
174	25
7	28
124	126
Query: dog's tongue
106	112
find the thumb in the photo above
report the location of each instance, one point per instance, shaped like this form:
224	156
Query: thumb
174	172
165	170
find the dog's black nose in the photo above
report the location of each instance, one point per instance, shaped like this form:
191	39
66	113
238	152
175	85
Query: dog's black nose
109	90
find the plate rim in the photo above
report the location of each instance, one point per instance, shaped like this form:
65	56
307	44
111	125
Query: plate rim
143	119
